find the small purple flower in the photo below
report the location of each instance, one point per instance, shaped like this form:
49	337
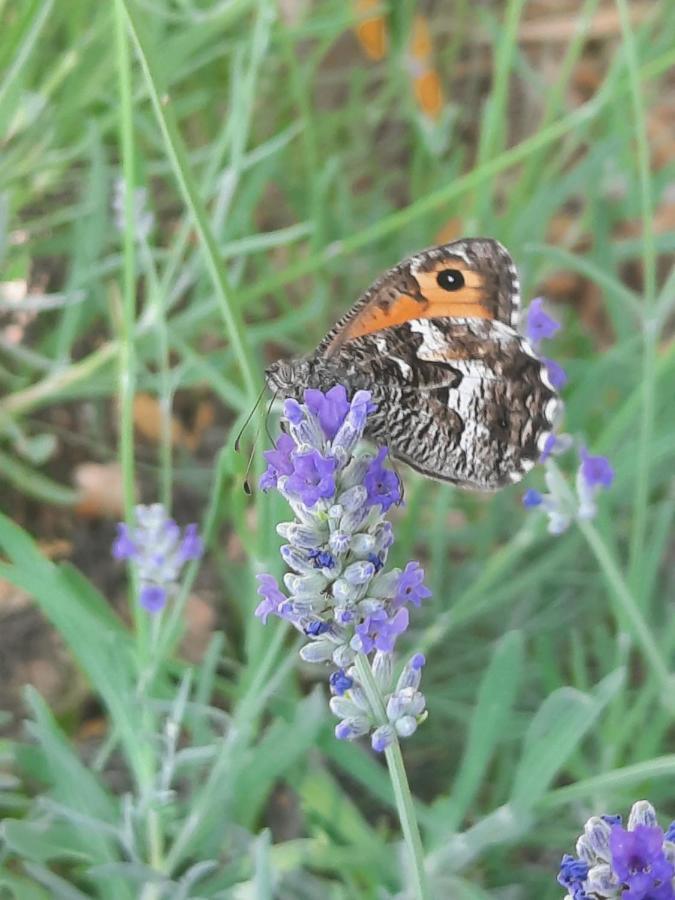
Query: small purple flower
124	547
278	461
152	597
540	325
596	470
418	661
532	498
191	546
272	598
612	819
313	477
316	628
573	873
381	483
158	550
322	559
549	447
556	374
411	587
639	852
340	682
379	632
330	408
670	833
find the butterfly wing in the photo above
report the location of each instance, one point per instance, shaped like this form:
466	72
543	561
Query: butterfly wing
473	278
461	396
465	401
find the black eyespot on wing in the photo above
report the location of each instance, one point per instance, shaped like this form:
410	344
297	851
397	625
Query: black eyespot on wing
450	279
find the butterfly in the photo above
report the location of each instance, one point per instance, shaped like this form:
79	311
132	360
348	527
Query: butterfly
461	395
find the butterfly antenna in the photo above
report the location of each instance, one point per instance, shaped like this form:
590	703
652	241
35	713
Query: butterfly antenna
267	416
237	442
247	483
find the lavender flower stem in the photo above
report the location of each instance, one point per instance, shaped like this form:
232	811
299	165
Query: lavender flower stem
399	781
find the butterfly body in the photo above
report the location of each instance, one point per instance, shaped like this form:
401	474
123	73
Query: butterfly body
461	395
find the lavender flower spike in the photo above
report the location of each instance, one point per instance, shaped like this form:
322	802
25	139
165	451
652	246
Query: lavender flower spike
158	550
632	863
339	593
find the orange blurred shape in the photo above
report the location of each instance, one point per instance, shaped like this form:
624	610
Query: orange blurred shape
429	93
420	42
371	31
148	419
426	81
450	231
100	489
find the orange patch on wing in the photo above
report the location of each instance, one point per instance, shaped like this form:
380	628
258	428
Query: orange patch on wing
438	304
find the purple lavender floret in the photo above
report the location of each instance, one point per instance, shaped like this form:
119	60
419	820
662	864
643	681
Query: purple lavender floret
632	863
540	326
556	374
338	591
158	550
411	587
596	471
381	483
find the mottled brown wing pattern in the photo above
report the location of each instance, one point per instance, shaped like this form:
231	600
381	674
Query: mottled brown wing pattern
460	401
462	397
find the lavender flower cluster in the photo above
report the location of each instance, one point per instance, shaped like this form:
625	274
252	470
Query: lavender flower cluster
632	863
594	473
339	593
158	549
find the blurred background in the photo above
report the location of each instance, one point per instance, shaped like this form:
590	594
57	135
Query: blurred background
324	142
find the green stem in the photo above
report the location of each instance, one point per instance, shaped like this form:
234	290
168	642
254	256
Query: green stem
399	782
179	160
628	605
649	322
127	385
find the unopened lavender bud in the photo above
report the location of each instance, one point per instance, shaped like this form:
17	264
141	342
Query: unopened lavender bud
363	544
317	651
642	813
597	833
351	728
353	520
585	851
359	572
382	738
343	708
339	542
405	726
411	675
354	498
305	585
297	560
601	881
383	667
343	592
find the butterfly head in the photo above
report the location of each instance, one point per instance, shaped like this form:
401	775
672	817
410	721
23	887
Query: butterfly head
288	377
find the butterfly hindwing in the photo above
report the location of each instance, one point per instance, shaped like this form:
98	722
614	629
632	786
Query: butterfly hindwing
461	401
